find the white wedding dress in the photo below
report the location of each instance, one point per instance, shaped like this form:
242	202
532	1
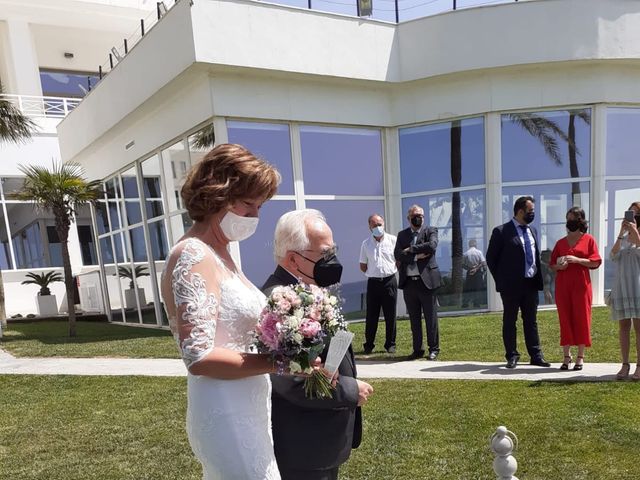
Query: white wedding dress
209	306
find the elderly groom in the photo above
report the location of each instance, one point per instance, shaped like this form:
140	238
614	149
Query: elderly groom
312	437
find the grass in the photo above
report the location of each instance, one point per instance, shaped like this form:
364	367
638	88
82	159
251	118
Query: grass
470	338
72	428
479	338
94	339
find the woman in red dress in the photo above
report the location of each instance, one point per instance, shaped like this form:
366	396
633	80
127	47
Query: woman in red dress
571	259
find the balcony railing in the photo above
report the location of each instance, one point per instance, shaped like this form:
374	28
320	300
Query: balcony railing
50	107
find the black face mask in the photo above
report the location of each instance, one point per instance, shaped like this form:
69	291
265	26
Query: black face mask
529	217
326	272
637	217
573	225
416	221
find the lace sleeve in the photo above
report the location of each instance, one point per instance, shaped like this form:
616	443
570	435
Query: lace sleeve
196	307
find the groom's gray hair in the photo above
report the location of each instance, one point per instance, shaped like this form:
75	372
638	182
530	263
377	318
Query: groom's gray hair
291	231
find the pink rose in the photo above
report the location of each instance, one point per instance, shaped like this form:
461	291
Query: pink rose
310	328
268	331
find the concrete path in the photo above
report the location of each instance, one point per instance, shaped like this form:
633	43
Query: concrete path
420	369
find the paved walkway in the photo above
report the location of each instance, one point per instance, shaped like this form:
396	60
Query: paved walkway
366	369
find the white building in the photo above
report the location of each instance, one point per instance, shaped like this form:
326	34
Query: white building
50	53
364	116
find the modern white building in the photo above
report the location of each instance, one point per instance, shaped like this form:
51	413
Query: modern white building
460	112
50	56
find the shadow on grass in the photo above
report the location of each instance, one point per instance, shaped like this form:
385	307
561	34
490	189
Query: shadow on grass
55	333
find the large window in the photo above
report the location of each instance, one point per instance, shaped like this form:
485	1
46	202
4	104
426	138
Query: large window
271	142
546	145
623	141
61	83
443	155
341	161
442	171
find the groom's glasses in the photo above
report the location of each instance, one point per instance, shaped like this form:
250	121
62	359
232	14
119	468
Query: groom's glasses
327	253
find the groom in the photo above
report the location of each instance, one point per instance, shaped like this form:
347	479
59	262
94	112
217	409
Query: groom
312	437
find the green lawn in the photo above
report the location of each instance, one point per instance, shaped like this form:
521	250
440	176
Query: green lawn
94	339
83	428
479	338
472	338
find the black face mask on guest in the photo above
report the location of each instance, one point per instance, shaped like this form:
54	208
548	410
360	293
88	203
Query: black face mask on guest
529	217
326	271
416	221
573	225
637	217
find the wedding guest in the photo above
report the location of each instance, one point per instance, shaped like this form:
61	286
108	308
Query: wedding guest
572	258
419	279
625	292
379	265
513	258
474	263
213	309
312	437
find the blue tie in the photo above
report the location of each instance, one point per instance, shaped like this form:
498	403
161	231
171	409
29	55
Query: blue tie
527	248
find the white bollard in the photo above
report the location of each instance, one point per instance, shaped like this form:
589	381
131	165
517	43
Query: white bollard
505	465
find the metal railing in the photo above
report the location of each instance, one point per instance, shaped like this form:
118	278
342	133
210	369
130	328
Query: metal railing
51	107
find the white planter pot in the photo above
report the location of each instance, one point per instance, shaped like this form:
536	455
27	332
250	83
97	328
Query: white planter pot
130	298
47	305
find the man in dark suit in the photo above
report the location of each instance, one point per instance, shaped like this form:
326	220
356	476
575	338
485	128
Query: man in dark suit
312	437
513	258
419	278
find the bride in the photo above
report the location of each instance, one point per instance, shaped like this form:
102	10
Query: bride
213	309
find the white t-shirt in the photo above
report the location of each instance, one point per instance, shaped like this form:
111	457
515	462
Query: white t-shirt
378	256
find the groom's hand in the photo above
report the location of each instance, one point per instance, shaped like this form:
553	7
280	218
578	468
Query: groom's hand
364	390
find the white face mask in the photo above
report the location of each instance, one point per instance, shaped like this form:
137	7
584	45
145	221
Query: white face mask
377	231
237	228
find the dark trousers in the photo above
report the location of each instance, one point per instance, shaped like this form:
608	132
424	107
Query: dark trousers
473	290
382	293
309	474
419	299
526	301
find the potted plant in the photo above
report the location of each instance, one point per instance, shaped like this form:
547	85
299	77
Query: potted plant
130	293
47	304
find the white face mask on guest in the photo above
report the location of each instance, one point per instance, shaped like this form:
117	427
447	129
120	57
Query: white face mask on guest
237	228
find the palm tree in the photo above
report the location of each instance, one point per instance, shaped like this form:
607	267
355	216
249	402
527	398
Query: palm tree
43	280
132	275
60	190
14	128
585	116
204	138
456	224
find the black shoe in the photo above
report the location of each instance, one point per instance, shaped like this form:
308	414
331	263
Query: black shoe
416	355
539	362
512	362
565	364
367	350
391	349
578	366
433	356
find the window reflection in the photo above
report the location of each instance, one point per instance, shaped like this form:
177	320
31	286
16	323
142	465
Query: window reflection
546	145
269	141
175	164
152	185
623	141
341	161
444	155
459	217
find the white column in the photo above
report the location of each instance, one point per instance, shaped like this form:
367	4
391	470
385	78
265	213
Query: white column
22	60
597	225
392	192
493	173
75	253
296	157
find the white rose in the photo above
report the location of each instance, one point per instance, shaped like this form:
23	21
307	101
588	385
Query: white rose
294	367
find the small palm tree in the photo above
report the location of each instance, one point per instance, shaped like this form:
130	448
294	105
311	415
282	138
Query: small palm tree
204	138
138	271
43	280
15	128
60	190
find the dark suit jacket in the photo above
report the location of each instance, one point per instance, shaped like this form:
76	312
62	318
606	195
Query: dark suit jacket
426	243
312	434
506	261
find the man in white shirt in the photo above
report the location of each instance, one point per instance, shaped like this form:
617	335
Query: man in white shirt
474	263
378	263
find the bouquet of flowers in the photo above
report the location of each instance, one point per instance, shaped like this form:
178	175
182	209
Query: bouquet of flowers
295	326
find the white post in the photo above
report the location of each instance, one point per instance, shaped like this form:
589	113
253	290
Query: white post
504	465
493	203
